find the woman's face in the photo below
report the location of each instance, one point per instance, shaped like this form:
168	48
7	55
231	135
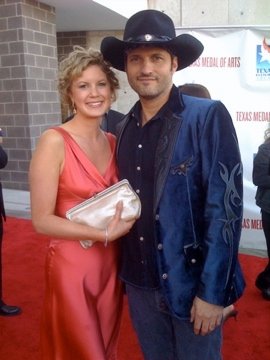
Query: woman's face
91	92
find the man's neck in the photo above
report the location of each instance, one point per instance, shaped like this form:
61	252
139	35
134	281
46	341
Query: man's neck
150	107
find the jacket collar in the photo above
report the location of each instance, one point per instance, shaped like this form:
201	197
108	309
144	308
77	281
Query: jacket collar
175	104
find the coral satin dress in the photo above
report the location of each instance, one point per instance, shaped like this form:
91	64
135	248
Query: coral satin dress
83	296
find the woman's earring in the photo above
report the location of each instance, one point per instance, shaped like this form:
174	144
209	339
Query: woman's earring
74	110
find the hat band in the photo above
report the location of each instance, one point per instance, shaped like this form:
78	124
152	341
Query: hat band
148	38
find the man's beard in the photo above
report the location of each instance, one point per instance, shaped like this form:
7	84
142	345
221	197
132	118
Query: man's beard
145	92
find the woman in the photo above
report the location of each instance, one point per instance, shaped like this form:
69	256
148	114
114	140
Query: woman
83	298
261	178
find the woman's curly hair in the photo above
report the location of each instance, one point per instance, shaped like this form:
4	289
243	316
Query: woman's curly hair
72	67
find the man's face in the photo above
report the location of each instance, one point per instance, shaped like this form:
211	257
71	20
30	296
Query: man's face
150	71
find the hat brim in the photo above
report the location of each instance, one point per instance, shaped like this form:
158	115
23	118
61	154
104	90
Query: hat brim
186	47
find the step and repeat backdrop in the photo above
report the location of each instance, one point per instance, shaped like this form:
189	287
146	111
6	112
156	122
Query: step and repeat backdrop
235	67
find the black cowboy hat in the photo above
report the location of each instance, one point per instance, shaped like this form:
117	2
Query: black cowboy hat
151	27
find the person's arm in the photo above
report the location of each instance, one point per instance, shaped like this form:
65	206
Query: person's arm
3	158
45	169
3	163
261	167
223	188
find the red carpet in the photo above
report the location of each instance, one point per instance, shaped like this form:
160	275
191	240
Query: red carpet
248	338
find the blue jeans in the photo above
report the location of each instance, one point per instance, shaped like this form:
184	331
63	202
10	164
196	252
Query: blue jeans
164	337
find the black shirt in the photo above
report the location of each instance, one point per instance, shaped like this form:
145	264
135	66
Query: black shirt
136	163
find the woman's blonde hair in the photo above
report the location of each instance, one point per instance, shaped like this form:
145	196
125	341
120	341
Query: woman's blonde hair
72	67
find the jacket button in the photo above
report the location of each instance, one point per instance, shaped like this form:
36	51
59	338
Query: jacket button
160	246
157	217
193	261
164	276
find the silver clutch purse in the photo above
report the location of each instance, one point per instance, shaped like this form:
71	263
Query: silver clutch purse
98	210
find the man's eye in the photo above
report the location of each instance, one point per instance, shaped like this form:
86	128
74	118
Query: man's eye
134	59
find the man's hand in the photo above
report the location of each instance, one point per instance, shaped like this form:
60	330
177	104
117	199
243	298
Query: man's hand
205	316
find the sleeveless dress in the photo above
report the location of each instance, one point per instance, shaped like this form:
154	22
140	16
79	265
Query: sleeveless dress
83	295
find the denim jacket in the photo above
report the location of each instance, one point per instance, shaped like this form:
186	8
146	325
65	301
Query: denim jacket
197	204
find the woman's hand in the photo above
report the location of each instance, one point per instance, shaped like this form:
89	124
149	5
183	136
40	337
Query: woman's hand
117	226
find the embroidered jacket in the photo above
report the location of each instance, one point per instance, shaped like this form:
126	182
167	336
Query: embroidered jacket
197	208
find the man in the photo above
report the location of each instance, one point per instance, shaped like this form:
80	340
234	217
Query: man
5	310
180	153
111	120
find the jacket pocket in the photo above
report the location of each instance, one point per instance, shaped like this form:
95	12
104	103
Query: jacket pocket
182	168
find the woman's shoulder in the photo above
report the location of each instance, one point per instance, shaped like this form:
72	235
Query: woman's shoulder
110	136
51	137
53	133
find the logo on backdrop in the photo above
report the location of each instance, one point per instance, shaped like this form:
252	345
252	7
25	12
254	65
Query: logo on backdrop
263	61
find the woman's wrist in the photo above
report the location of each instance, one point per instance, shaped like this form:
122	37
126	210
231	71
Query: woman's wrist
106	237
